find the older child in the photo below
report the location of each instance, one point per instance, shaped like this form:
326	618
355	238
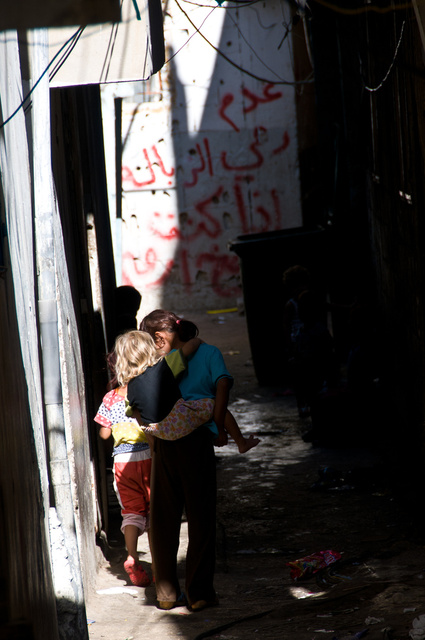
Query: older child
158	400
165	328
184	479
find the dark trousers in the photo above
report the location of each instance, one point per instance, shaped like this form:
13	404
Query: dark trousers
184	476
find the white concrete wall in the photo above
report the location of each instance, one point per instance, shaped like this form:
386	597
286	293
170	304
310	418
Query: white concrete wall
216	157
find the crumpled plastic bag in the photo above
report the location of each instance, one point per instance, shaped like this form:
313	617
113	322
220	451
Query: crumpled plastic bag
304	567
418	631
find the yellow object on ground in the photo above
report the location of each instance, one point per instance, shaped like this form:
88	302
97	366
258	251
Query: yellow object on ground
223	310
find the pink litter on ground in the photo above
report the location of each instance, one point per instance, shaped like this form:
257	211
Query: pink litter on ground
311	564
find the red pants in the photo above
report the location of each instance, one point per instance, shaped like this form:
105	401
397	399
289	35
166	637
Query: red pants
132	485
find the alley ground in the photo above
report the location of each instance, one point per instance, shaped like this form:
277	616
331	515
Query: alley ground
271	511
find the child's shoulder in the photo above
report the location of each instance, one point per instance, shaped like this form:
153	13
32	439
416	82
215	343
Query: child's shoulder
208	353
111	398
208	348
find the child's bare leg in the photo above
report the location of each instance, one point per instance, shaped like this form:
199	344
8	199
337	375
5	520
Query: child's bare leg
232	428
131	536
132	566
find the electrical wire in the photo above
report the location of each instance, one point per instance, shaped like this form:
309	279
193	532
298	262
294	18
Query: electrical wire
66	55
190	37
60	63
289	27
373	89
238	4
252	48
234	64
109	51
68	47
112	40
60	58
31	91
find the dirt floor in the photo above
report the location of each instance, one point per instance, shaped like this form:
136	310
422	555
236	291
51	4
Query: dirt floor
277	504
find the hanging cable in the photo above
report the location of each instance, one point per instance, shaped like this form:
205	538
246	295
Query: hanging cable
238	4
252	48
110	50
372	89
66	55
31	91
190	37
237	66
112	40
59	64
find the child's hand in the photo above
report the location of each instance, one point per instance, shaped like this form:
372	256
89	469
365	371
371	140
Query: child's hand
222	438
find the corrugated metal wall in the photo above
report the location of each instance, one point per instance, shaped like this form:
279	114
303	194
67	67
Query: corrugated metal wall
397	199
79	169
370	82
50	467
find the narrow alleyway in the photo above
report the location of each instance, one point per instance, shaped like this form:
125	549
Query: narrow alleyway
275	507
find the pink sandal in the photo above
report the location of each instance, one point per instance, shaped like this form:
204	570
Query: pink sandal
136	573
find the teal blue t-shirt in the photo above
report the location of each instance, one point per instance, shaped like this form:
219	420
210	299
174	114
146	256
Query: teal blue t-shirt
204	369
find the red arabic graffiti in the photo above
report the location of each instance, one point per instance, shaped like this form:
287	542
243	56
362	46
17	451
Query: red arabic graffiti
203	152
195	237
207	225
204	163
259	158
254	99
222	266
265	216
219	265
157	221
134	270
226	101
254	148
128	176
284	145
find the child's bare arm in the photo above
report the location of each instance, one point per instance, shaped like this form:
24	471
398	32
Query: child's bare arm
105	433
191	346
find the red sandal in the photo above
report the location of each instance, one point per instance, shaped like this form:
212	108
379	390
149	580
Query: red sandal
136	573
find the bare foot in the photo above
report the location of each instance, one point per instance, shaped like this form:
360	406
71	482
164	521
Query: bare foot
248	443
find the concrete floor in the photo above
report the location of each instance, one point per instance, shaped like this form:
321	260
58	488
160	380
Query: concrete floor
271	511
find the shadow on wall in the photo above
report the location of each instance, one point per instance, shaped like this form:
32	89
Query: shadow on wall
228	167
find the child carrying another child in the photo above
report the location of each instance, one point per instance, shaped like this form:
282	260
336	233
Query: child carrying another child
184	471
152	387
166	328
135	354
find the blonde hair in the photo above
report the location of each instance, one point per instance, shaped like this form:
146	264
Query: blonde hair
135	352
